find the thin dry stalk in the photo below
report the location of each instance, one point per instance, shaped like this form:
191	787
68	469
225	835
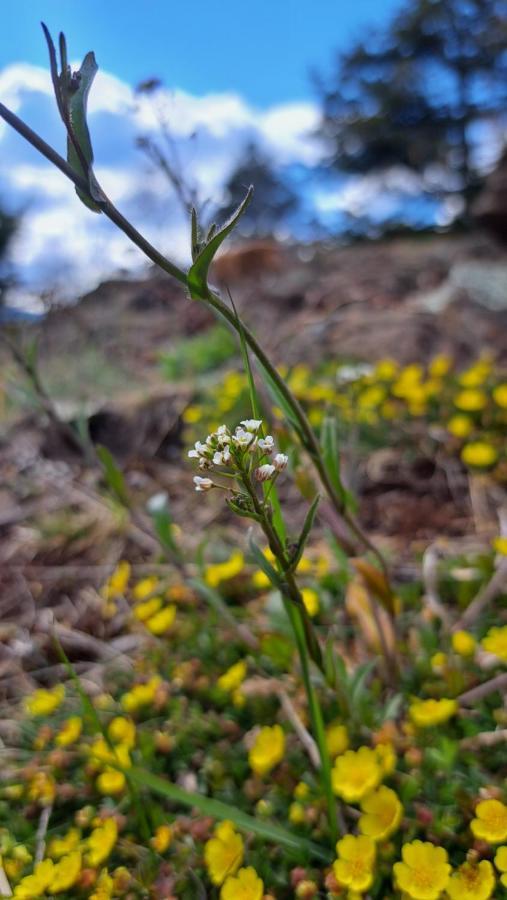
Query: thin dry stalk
494	587
40	837
469	698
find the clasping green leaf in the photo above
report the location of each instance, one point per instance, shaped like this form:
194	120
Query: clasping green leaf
71	92
203	252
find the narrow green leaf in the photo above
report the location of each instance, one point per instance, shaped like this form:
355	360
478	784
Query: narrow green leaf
212	230
358	682
278	520
81	159
305	532
53	65
88	709
194	237
197	276
265	565
330	454
113	475
162	519
217	809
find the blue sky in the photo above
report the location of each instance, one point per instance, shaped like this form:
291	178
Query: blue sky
263	49
233	73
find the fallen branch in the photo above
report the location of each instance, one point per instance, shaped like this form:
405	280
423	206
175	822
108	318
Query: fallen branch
485	739
495	586
483	690
40	837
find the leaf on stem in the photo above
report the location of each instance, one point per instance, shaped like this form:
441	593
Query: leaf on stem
331	455
71	92
265	565
305	533
197	276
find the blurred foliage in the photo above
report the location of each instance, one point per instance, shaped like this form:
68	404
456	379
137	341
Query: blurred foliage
198	354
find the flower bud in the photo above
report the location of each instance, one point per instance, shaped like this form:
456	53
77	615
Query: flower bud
264	473
202	484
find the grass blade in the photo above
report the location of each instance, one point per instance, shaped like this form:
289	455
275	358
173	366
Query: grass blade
219	810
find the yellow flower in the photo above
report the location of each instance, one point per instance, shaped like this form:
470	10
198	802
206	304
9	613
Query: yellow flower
471	400
104	887
116	585
141	694
500	395
371	397
233	677
301	791
102	754
472	882
424	872
245	886
463	643
296	813
260	580
337	739
66	872
438	662
162	621
37	883
356	773
238	699
162	838
356	858
479	454
268	749
500	545
111	782
491	821
145	587
43	702
311	601
382	812
426	713
501	864
460	426
386	757
122	731
440	365
147	608
69	732
42	789
476	374
60	846
101	841
226	570
386	369
495	642
223	853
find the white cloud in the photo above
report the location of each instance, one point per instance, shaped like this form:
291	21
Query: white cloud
60	241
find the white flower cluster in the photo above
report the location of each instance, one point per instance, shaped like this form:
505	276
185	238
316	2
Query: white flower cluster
226	448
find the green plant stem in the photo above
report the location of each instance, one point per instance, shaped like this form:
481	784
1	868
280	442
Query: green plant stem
316	717
306	640
309	439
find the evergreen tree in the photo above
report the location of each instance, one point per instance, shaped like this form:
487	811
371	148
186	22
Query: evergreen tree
415	94
274	199
8	225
